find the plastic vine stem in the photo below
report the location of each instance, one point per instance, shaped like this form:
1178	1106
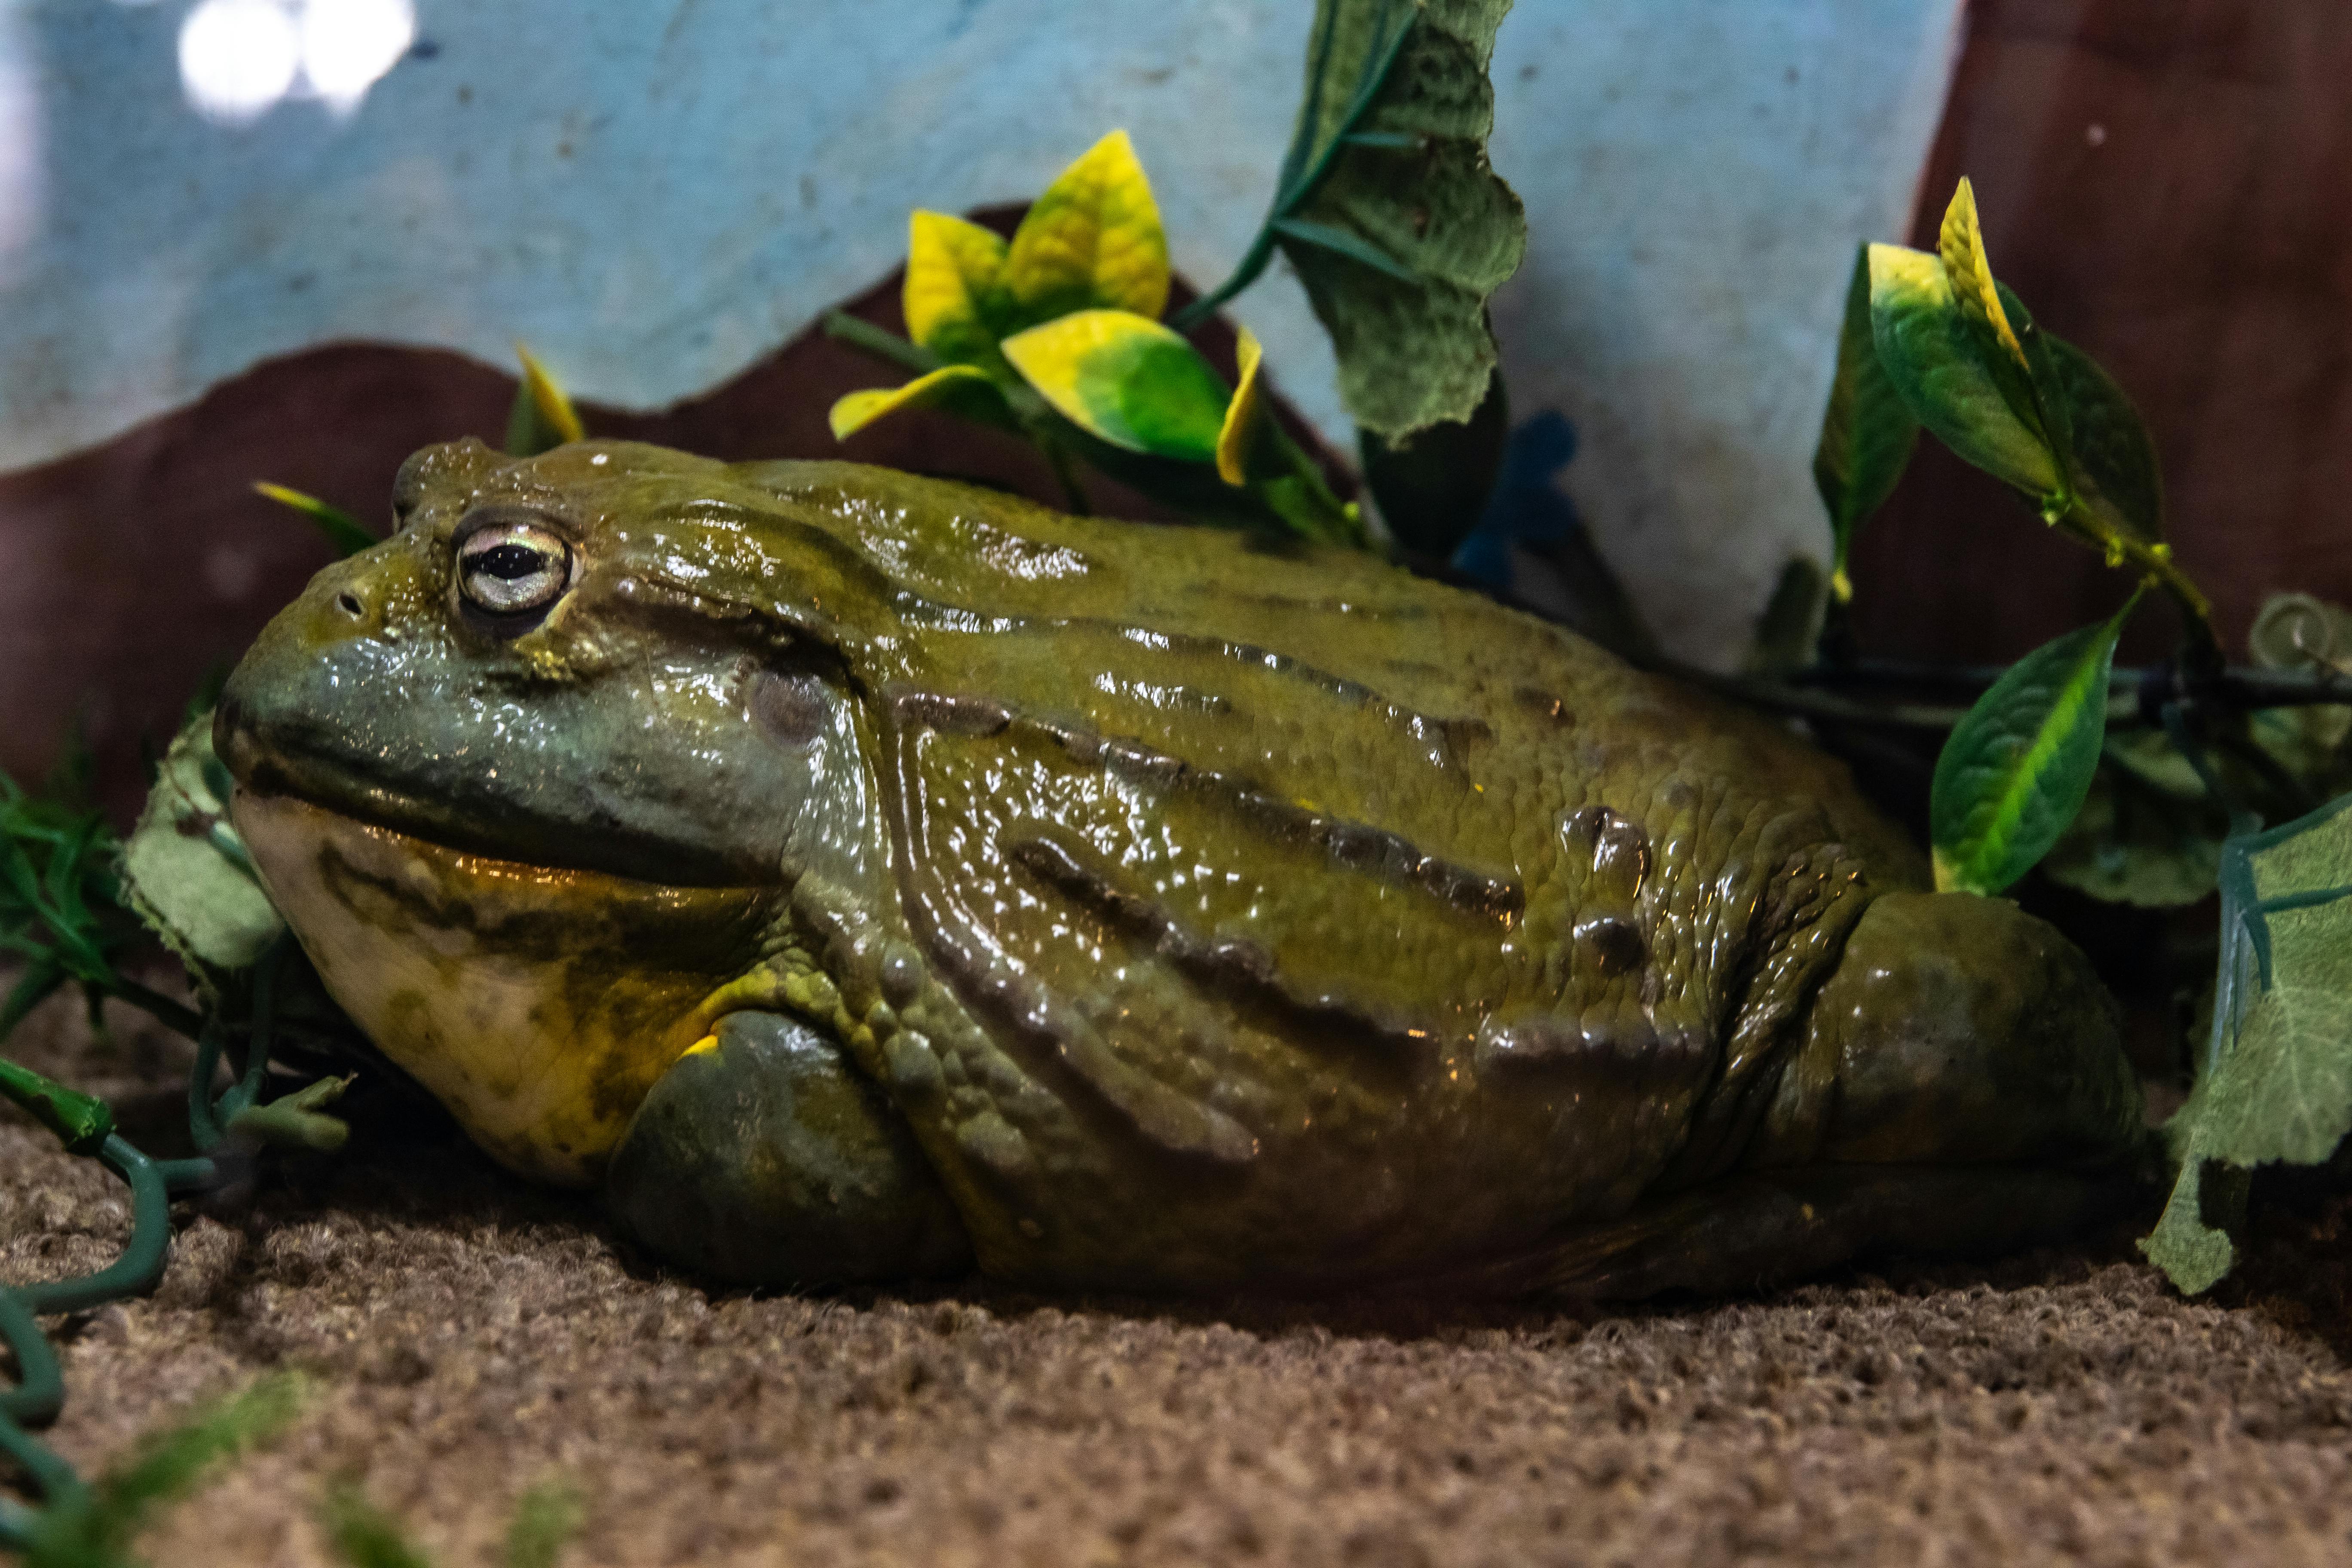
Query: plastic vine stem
81	1122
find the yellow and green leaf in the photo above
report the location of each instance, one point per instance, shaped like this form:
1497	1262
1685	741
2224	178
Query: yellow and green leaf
543	418
1126	380
1239	432
1960	242
345	532
2018	766
954	295
1937	363
958	388
1091	241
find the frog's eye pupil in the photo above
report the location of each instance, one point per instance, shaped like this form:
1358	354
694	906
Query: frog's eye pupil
511	561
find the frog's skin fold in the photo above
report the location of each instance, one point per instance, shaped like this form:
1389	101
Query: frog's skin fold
1181	913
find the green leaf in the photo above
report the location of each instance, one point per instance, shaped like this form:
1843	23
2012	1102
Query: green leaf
364	1536
166	1467
2018	766
2277	1080
345	532
1867	432
2148	835
1389	212
2114	468
1939	365
959	389
954	297
1092	240
543	418
548	1516
1126	380
2191	1240
1790	621
187	873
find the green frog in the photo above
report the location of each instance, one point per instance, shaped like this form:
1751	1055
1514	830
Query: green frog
862	877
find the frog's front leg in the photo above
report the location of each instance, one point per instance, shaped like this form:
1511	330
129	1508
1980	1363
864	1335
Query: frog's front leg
762	1157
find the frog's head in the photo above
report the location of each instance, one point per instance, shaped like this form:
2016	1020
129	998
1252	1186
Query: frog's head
524	776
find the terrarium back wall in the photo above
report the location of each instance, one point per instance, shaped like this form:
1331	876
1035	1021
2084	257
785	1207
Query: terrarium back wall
298	250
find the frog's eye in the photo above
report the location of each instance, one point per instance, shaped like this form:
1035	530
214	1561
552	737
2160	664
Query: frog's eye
513	568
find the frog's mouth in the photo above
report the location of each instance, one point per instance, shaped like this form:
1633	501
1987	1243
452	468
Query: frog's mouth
510	820
538	1003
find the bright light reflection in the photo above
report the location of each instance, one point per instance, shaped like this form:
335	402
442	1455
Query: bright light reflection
239	58
347	44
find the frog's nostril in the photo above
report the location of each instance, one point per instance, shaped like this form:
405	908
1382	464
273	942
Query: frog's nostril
349	603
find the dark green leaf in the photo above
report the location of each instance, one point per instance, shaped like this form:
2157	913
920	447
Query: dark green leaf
1390	152
1431	486
2018	766
2115	471
1867	432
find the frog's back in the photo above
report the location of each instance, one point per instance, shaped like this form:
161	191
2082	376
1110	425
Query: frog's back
1286	915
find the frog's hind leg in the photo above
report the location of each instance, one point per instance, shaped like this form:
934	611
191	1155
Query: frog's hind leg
762	1158
1959	1086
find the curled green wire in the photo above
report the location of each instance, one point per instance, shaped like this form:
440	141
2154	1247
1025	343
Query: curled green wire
85	1125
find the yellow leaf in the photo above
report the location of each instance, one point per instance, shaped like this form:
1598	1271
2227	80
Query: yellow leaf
1241	415
1961	245
958	387
548	401
1092	240
954	283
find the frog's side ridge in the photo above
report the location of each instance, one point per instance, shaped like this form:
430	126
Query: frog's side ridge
1202	930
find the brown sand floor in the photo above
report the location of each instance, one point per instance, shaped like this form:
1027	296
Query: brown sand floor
470	1337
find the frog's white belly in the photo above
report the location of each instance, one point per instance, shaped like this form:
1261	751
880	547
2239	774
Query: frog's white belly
537	1004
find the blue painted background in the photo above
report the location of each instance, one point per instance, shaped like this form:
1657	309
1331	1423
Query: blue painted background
654	195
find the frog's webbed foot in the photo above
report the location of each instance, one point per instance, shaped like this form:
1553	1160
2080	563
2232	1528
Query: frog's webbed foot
764	1159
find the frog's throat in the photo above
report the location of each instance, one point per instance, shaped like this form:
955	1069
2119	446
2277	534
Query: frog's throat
537	1004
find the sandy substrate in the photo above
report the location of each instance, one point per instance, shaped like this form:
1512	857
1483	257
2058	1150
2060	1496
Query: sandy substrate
470	1337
